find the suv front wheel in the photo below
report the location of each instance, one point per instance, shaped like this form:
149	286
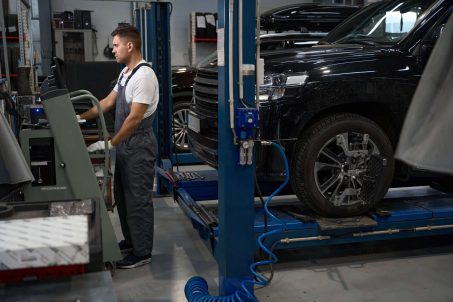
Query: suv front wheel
342	165
180	139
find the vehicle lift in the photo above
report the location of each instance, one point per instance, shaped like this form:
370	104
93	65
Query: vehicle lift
229	227
153	23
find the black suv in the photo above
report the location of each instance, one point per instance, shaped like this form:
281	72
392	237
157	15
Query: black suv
183	78
337	107
314	20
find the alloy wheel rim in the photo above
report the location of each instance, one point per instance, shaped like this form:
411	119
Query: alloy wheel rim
180	135
340	163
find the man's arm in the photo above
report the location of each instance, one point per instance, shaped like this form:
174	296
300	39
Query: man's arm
130	123
106	104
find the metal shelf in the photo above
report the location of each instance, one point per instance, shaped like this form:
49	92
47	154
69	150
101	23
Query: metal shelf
26	44
194	39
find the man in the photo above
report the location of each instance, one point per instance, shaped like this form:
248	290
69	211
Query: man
135	99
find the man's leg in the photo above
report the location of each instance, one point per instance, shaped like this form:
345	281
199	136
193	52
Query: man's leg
138	188
120	200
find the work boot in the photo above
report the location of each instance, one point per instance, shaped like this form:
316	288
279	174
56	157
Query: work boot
125	247
131	261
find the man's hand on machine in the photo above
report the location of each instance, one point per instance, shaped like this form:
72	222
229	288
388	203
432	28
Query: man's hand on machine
99	146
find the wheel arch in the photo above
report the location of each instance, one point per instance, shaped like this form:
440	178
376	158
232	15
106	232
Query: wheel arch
378	113
182	96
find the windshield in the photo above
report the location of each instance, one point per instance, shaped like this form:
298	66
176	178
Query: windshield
385	22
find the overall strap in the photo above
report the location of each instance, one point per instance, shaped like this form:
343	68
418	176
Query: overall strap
133	71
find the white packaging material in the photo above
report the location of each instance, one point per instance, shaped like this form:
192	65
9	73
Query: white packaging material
43	242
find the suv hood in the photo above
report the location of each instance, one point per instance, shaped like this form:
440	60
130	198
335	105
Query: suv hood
307	59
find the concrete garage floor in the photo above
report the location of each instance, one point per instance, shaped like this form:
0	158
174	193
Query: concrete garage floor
404	270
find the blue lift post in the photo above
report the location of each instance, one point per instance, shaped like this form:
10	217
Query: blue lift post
235	248
153	23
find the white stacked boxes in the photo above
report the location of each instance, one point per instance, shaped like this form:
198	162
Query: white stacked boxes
43	242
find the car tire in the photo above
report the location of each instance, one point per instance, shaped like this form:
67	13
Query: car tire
330	175
180	139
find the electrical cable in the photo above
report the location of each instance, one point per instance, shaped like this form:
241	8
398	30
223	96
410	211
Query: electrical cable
244	104
260	195
271	266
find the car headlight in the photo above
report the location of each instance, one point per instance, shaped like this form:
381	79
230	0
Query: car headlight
274	85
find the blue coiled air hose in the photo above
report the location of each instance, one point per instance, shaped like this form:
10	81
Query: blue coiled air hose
196	289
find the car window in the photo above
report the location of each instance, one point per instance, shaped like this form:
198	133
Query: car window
293	11
320	12
386	22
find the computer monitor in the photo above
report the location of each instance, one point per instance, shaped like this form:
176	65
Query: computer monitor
56	79
60	77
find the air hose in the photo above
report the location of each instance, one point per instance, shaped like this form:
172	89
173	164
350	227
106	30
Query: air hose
196	289
261	279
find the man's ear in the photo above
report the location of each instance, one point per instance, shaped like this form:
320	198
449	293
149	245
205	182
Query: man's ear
130	46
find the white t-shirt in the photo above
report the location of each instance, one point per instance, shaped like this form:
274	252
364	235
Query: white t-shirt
142	87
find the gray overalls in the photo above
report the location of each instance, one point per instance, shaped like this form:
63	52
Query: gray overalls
134	176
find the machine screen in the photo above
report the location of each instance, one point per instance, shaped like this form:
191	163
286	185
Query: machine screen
56	79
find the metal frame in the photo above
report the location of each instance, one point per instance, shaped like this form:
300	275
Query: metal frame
4	43
234	252
404	213
26	42
153	23
26	45
193	40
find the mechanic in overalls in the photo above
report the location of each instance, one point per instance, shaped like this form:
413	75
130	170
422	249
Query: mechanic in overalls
135	98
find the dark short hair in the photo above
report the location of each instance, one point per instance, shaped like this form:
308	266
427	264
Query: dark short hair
130	33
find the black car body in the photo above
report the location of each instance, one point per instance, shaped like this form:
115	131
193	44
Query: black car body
338	107
306	17
183	78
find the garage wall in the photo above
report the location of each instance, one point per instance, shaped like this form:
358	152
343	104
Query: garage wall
180	23
106	15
